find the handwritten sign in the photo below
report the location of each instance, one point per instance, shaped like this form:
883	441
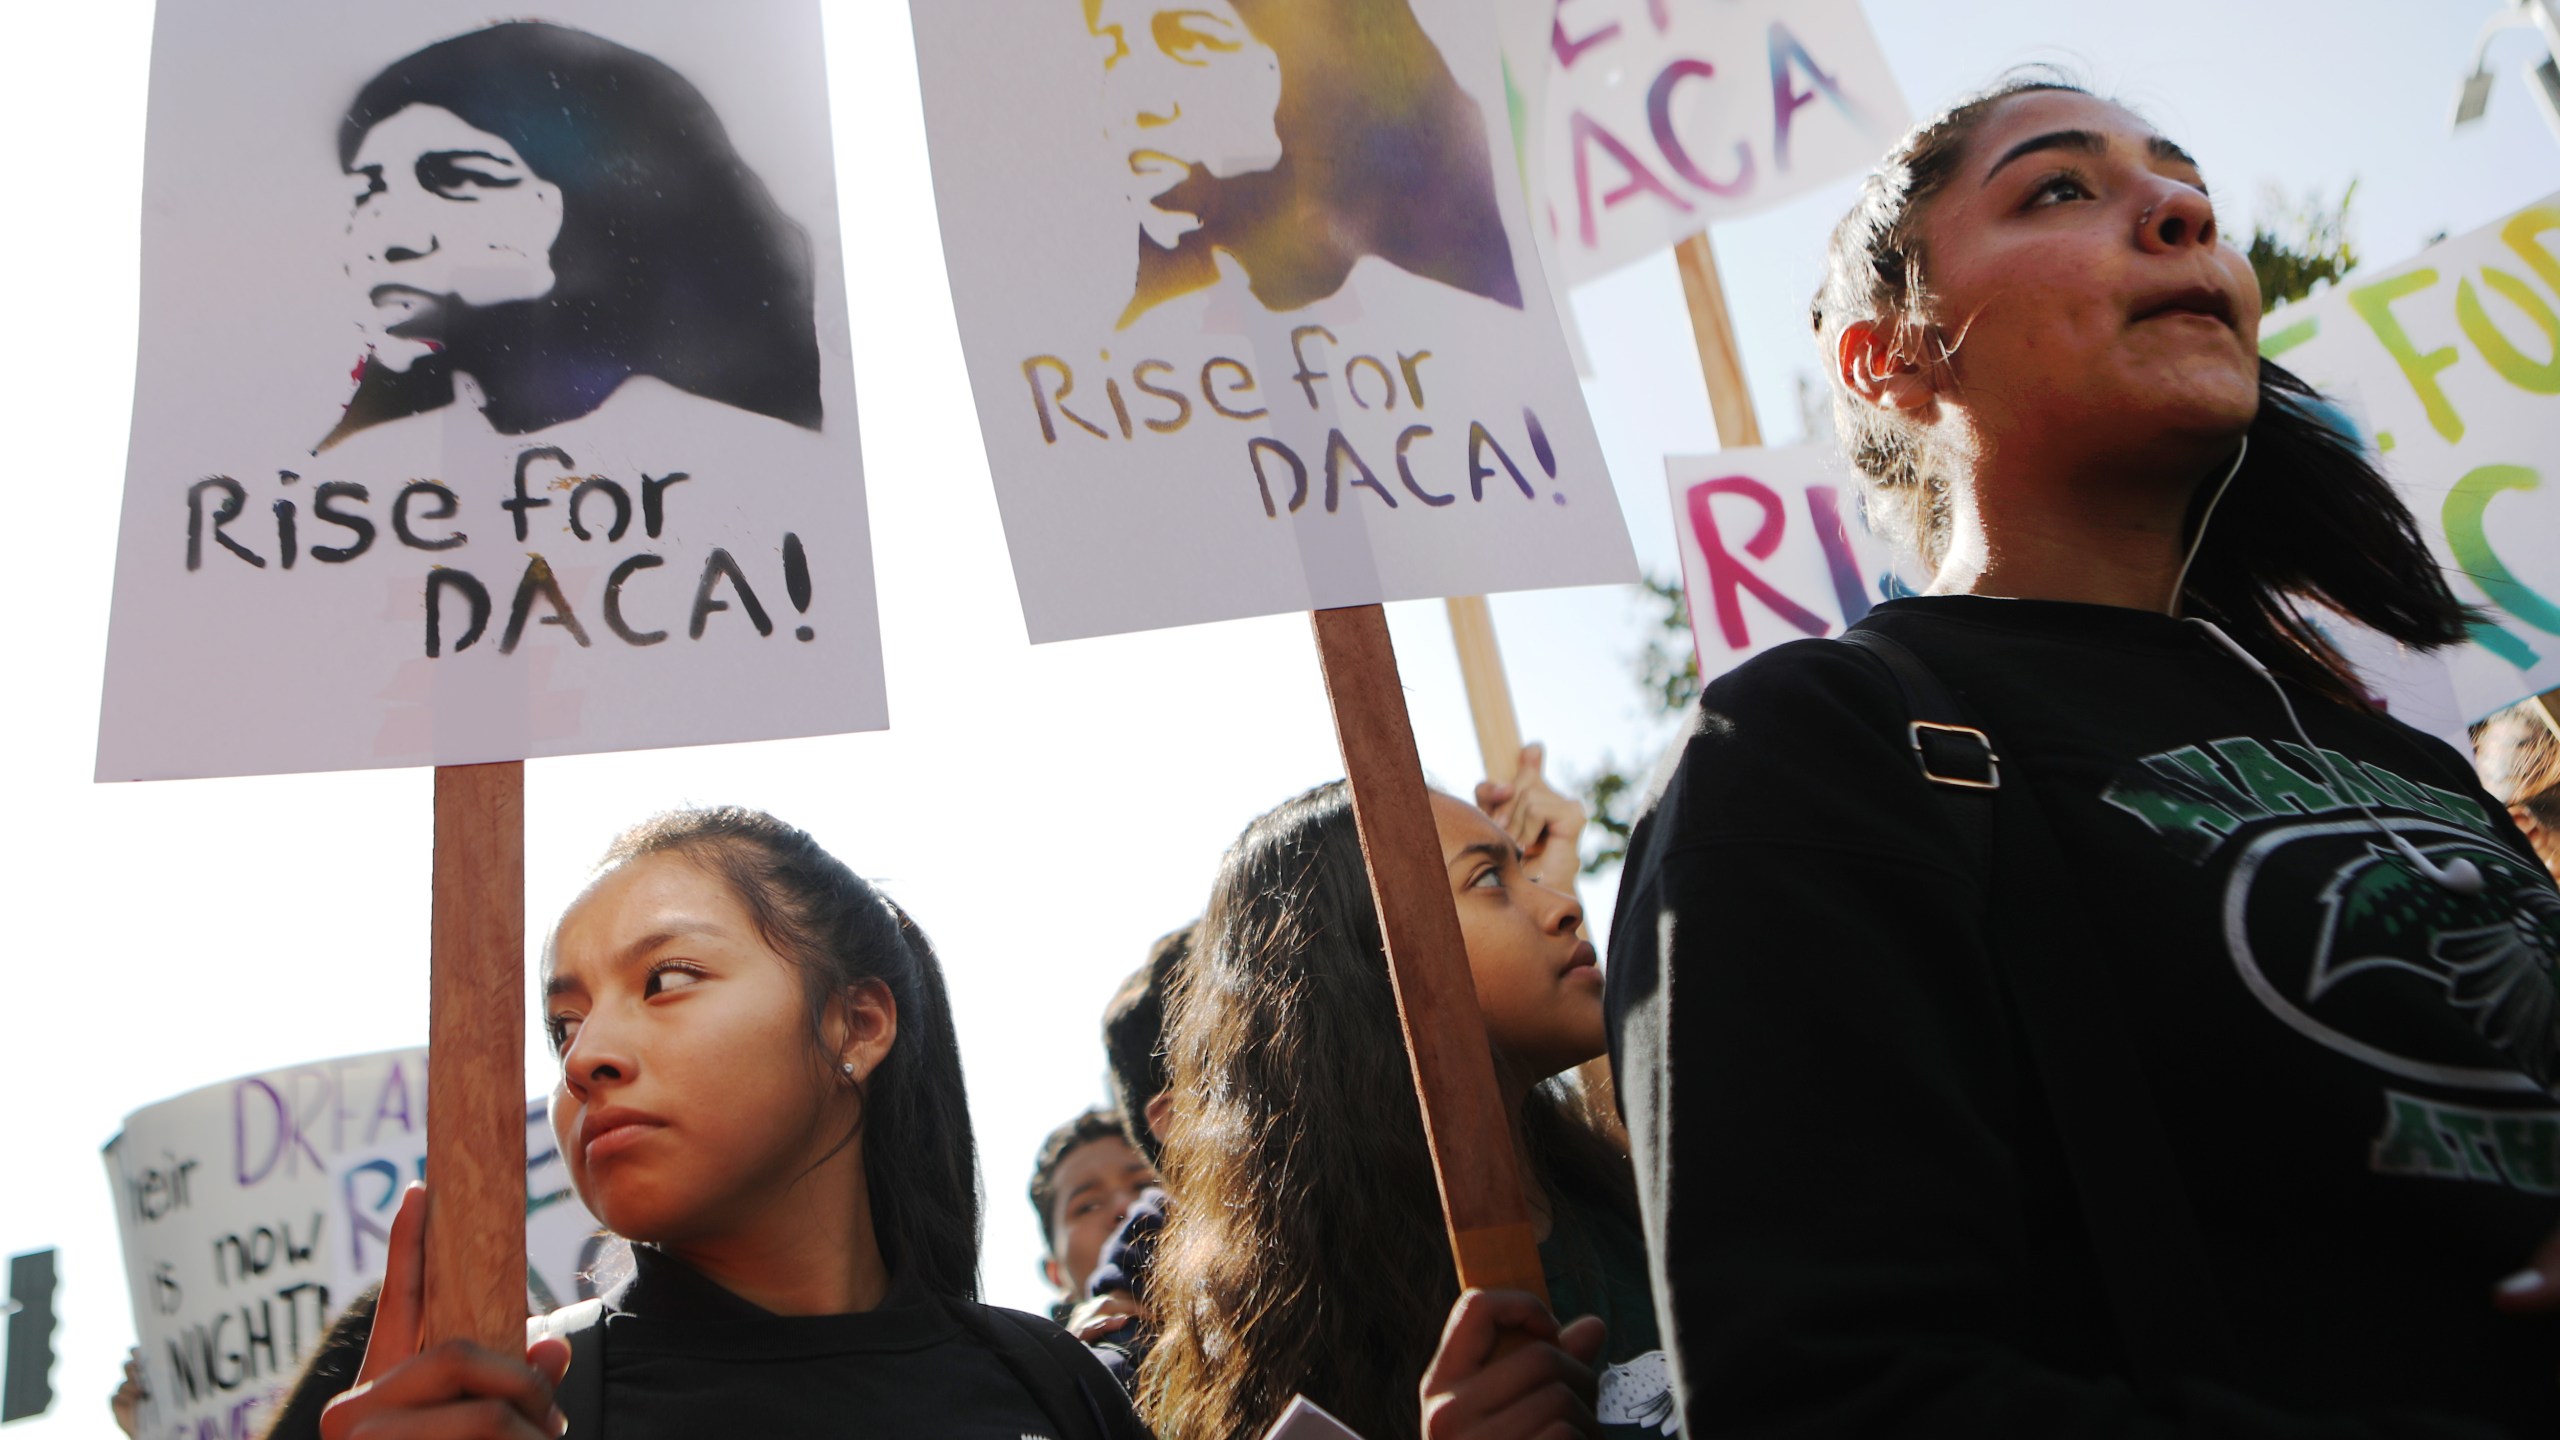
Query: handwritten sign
2449	367
1252	312
253	1210
1773	547
495	394
1657	118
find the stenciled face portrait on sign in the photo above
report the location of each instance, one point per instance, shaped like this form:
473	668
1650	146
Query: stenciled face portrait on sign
533	427
1253	310
543	214
1295	137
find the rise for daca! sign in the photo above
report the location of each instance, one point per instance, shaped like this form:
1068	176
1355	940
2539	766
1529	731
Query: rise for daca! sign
2448	367
1252	311
495	393
252	1211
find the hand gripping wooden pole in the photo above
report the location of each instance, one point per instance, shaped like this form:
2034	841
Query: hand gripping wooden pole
1462	1116
1488	690
475	1286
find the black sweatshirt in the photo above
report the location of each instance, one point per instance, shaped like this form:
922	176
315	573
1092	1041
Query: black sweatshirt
1856	1203
684	1359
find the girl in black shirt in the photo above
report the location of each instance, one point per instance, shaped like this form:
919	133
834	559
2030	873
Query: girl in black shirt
760	1088
2167	1043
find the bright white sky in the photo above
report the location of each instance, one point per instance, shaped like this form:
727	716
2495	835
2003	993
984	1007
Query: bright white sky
1044	813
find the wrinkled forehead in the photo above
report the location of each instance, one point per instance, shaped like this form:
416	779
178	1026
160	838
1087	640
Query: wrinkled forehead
2021	118
644	895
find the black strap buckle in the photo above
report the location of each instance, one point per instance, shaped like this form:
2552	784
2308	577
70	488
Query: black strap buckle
1957	755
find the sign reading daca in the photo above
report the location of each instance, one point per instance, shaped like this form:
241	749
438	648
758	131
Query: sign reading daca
1252	309
495	392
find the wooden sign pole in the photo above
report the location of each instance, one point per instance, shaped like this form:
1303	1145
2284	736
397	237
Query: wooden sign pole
2547	705
475	1287
1737	424
1471	1151
1462	1117
1488	691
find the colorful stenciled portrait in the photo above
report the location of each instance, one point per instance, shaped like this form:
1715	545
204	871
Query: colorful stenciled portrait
1296	136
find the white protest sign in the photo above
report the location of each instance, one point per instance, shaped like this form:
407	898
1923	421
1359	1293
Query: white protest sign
253	1210
1774	547
2449	367
495	394
1659	116
1252	310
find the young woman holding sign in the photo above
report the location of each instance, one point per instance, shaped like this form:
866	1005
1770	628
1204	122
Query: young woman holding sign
760	1088
1305	1251
2087	1013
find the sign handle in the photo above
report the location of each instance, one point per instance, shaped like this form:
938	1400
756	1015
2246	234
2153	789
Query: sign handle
1488	689
475	1287
1462	1117
1737	424
2546	706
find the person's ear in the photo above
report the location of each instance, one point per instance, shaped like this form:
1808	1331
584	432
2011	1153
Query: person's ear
1877	366
863	1024
1054	1273
1158	1112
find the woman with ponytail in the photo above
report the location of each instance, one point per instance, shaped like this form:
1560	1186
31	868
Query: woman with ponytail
2075	1008
759	1089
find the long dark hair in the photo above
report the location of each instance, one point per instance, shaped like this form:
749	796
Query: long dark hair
2308	517
672	260
919	1154
1305	1252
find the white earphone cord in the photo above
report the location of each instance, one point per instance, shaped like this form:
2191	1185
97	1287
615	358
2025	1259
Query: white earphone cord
2461	876
2178	587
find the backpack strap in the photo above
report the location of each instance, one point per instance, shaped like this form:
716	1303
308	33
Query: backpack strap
2151	1256
1071	1387
581	1392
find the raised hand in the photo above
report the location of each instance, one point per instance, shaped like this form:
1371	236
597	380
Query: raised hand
455	1391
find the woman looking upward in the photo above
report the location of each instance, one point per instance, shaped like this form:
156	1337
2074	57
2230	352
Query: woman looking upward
1305	1252
2099	1066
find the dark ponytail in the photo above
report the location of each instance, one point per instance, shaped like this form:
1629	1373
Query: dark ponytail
919	1155
2309	518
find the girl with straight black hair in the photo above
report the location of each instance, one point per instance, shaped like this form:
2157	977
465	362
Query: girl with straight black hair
760	1088
2060	1011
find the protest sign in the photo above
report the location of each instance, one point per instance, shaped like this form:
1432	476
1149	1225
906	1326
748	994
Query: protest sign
252	1211
2448	367
495	394
1774	547
1253	315
1657	118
